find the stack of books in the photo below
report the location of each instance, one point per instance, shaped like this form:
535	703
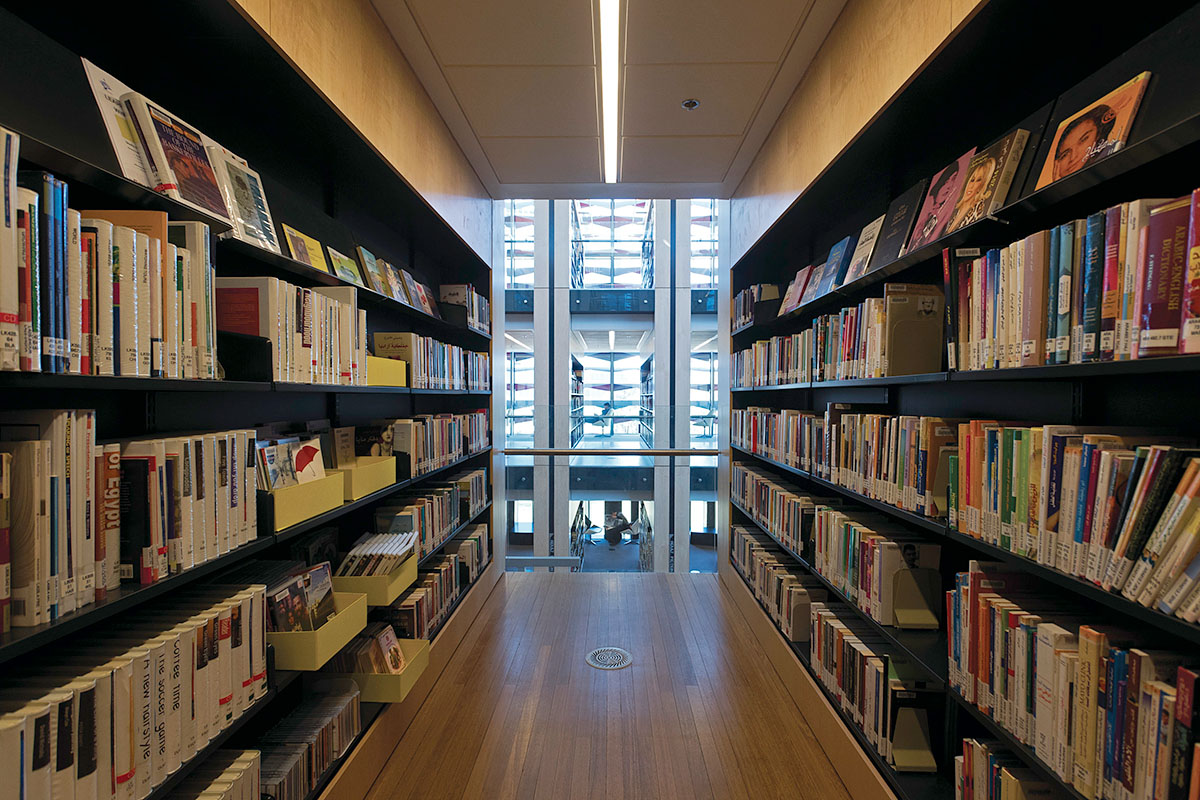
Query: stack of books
375	650
435	511
743	302
433	364
479	311
308	741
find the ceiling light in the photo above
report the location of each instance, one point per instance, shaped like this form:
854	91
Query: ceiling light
517	342
610	18
691	104
706	341
612	340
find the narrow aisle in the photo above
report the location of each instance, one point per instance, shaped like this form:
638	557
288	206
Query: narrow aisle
518	714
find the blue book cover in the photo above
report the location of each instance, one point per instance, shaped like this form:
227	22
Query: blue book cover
1085	467
60	268
1052	296
42	183
1093	278
1066	255
837	264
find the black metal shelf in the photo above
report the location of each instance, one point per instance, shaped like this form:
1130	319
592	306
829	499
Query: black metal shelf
369	713
891	380
290	266
41	380
781	387
1093	369
287	534
452	391
19	641
906	785
433	634
1013	744
164	789
925	649
453	535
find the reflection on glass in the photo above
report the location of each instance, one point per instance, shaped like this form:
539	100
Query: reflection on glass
704	244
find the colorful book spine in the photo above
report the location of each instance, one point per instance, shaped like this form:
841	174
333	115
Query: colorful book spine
1162	291
1110	292
1066	252
1190	318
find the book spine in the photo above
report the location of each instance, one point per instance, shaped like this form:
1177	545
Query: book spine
1162	293
10	253
73	295
1190	318
1110	299
1066	249
1183	741
61	343
29	280
46	307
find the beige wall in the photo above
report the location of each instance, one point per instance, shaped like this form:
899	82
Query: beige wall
345	51
874	47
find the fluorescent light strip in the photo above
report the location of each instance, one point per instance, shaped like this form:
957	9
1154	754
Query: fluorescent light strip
610	20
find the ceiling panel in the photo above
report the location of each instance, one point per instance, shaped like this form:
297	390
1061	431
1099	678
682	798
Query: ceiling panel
512	101
667	158
544	160
513	32
710	31
729	95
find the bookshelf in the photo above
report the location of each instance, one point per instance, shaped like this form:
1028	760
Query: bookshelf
646	402
576	411
321	177
1158	161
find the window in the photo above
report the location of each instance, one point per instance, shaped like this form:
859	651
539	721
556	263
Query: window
612	244
704	244
518	244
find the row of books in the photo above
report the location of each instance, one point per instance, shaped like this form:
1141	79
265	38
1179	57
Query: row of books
375	650
783	588
897	334
85	516
162	152
103	720
436	510
899	460
99	292
970	188
422	609
224	775
1112	286
298	750
987	770
299	597
1109	710
377	554
1116	507
317	335
433	364
859	552
744	301
479	310
421	444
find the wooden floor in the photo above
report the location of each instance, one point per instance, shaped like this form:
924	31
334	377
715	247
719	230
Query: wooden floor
518	714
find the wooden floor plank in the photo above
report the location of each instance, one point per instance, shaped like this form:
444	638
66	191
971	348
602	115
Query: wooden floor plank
518	714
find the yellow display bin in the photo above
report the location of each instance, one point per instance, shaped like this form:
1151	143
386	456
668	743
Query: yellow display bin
309	650
369	474
294	504
386	372
380	590
375	688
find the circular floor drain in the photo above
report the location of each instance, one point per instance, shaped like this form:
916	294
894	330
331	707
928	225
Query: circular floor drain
609	658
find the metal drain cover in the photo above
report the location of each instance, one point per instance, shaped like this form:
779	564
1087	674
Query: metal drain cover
609	658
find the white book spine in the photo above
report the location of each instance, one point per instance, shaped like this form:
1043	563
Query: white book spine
170	310
144	303
101	299
125	293
187	314
74	294
85	470
154	277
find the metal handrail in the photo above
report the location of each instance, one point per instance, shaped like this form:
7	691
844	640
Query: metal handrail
565	451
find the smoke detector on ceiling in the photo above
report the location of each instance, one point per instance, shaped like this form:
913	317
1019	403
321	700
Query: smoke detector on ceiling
691	104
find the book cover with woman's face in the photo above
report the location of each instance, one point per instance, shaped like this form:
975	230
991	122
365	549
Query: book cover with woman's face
944	190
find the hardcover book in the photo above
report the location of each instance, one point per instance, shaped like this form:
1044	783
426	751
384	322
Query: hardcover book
1165	271
1190	319
175	156
863	250
344	267
1096	131
897	224
989	176
836	265
945	187
815	279
398	283
372	272
245	199
795	291
304	249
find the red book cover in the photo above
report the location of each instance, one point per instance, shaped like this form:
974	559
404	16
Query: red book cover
25	288
1093	478
1110	289
1190	321
87	244
1184	739
238	311
1162	291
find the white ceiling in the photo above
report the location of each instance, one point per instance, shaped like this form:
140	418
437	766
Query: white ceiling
517	82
